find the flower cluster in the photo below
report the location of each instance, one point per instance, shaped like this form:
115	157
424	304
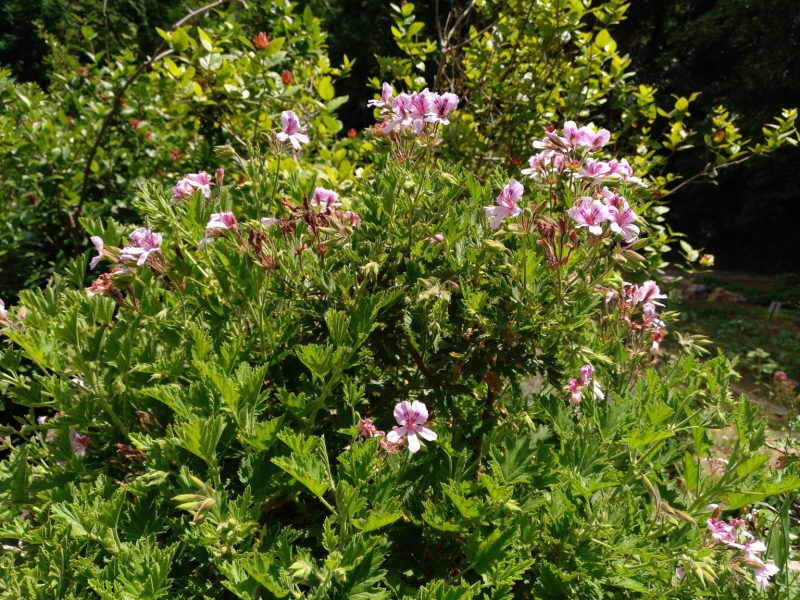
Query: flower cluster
644	297
566	157
218	223
191	183
506	204
415	110
144	243
585	383
410	417
734	535
144	249
607	206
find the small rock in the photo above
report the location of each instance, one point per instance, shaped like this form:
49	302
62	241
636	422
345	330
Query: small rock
692	291
723	296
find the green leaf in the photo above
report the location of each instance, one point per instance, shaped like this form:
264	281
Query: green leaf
376	520
201	436
325	88
205	39
637	439
483	553
307	463
320	360
275	45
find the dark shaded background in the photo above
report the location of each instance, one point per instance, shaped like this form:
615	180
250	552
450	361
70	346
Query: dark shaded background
741	53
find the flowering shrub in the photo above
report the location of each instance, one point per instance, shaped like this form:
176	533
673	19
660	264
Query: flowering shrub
278	390
521	66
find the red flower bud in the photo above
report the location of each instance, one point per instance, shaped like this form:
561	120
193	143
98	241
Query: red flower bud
261	41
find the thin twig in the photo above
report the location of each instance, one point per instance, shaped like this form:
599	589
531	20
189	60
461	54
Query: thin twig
706	172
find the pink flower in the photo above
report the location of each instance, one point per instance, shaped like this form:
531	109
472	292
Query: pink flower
410	417
594	170
622	170
576	387
506	204
721	531
649	292
386	97
622	218
589	213
269	221
436	239
3	312
223	220
218	223
441	106
102	286
351	218
291	130
78	442
101	253
420	107
545	164
401	108
186	187
575	390
324	200
574	137
597	139
765	573
145	243
368	429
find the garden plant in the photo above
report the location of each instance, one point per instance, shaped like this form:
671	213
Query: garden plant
427	387
437	358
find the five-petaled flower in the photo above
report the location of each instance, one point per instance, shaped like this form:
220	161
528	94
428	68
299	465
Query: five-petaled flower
324	199
78	442
218	223
622	218
186	187
506	204
410	417
589	213
292	130
145	243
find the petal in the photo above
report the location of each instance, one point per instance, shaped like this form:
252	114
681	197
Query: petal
401	410
301	137
395	435
426	433
413	442
422	410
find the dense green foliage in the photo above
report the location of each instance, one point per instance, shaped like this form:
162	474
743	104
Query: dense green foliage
222	391
210	418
